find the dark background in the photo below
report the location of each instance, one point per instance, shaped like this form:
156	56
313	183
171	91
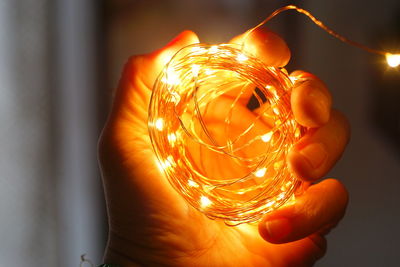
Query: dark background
61	60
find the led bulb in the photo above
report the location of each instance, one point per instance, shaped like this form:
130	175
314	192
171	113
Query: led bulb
224	156
393	60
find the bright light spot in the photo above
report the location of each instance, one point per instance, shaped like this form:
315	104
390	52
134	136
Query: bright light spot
260	172
192	183
171	138
242	57
159	165
297	133
196	49
171	77
272	90
208	71
168	162
159	124
269	204
281	195
213	49
165	164
275	110
267	137
293	79
393	60
195	70
278	165
175	97
205	202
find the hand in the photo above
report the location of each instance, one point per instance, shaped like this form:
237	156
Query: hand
150	224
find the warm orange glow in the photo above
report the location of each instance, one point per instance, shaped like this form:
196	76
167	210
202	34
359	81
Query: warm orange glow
182	100
195	70
159	124
205	202
393	60
171	78
214	151
266	137
242	57
260	172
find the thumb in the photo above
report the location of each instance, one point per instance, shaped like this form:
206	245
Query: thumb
322	205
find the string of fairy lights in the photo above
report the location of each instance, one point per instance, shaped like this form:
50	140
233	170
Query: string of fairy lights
221	126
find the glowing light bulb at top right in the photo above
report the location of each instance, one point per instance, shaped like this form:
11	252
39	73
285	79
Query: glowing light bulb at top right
393	60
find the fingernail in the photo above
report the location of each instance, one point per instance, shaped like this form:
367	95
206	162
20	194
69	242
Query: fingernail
315	154
278	229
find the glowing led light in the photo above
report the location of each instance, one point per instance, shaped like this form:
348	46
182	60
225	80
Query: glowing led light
171	78
260	172
192	183
205	202
165	164
393	60
281	195
175	97
242	57
171	138
227	67
196	49
293	79
213	49
269	204
278	165
159	124
168	162
209	71
193	156
195	70
159	165
267	137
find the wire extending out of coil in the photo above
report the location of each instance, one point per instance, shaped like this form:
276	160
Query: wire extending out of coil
221	125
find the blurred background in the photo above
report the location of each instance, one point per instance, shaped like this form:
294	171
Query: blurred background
60	62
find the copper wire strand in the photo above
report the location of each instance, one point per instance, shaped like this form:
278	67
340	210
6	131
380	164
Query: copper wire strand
234	199
184	97
316	22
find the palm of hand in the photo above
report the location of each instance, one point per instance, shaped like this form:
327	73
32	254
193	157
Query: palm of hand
152	215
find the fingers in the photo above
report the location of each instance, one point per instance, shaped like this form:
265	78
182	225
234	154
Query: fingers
147	67
140	73
266	46
319	206
302	253
310	100
316	153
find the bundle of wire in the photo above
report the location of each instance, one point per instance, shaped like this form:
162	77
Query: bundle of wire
221	126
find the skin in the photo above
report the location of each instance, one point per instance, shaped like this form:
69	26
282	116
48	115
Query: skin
151	225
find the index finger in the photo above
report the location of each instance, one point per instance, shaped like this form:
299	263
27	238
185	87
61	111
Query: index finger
265	45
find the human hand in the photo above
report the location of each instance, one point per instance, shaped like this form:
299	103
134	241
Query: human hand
150	224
